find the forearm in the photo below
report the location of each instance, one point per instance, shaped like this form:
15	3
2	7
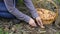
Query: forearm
30	5
15	11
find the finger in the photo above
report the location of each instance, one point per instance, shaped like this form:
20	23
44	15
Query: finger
41	22
33	24
38	22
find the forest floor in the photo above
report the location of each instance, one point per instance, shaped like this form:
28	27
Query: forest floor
23	28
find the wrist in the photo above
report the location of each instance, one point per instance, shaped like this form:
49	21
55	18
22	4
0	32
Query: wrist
27	19
35	15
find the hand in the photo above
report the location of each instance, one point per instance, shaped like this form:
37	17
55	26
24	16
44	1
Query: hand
32	22
39	22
